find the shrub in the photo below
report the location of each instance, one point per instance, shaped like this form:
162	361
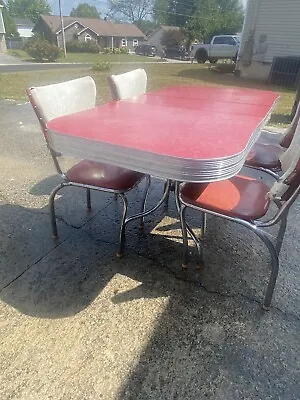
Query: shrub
82	47
41	50
116	50
124	50
101	66
36	38
107	50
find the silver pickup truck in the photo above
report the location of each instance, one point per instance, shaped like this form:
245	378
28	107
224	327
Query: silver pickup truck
223	46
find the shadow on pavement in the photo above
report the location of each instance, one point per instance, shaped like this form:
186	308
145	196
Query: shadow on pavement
212	339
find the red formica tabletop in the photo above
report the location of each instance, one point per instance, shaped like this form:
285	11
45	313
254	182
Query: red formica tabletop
186	133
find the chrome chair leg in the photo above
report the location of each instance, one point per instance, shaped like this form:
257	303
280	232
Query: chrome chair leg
166	202
274	274
203	225
52	209
185	228
184	263
122	226
281	233
88	199
274	262
145	196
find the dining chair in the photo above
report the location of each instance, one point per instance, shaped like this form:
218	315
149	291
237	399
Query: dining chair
128	85
266	156
246	201
53	101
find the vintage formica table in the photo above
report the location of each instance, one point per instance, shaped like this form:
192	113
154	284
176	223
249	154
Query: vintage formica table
181	133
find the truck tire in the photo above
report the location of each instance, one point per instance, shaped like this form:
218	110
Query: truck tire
201	56
213	60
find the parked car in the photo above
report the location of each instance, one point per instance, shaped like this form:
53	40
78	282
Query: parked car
178	52
145	50
222	46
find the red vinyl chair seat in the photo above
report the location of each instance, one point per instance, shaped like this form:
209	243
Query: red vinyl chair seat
240	197
103	175
265	156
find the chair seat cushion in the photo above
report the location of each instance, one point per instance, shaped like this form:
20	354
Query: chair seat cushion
264	155
240	197
103	175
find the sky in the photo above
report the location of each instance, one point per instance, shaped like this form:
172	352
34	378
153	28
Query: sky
67	5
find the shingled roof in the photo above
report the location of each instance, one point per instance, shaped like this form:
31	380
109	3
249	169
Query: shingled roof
99	26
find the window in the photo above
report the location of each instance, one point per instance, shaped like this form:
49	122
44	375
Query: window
219	40
87	38
76	26
229	40
124	43
135	42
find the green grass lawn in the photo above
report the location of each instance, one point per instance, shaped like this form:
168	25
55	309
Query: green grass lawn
87	57
12	85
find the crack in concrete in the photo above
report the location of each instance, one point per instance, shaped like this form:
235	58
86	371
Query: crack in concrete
197	283
36	262
56	246
220	294
156	260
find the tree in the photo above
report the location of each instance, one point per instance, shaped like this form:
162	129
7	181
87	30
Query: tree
145	26
172	37
214	17
28	8
180	11
10	26
84	10
130	10
160	12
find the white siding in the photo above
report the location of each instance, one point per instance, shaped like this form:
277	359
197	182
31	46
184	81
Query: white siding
274	26
2	27
280	21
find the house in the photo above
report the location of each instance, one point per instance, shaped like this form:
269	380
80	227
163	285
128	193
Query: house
155	37
2	33
24	28
271	29
103	32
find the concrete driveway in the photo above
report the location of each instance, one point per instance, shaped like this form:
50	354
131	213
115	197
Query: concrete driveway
78	323
6	59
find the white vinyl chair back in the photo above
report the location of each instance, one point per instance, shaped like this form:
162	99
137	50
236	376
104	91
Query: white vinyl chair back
291	152
128	85
290	131
289	160
64	98
53	101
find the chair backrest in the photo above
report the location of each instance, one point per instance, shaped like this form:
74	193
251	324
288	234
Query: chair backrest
128	85
60	99
289	134
292	151
289	181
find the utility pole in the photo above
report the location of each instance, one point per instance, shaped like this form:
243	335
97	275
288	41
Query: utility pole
62	28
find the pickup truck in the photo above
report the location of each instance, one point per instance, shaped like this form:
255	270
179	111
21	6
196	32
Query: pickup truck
223	46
